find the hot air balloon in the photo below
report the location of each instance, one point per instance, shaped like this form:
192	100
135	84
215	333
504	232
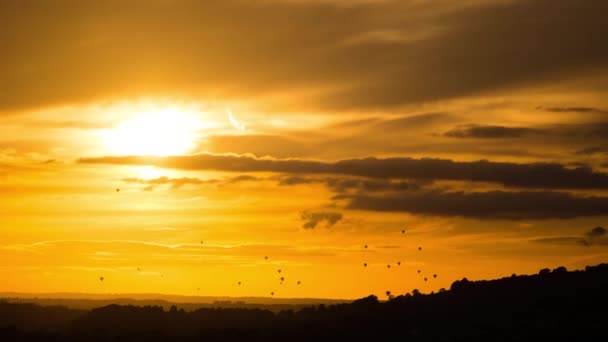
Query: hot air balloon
403	231
425	279
364	264
265	258
272	293
434	276
418	271
239	283
365	246
279	270
101	279
138	269
388	293
398	263
117	190
388	266
282	278
298	282
419	248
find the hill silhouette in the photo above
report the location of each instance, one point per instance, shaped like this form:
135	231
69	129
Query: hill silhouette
551	305
188	303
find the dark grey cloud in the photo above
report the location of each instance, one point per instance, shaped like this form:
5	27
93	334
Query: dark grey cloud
532	175
575	110
596	232
313	218
488	132
296	180
341	185
242	178
347	184
406	51
506	205
594	237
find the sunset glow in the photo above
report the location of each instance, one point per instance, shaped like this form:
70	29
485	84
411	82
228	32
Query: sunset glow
160	132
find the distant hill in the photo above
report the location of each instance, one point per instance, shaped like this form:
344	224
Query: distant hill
553	305
88	301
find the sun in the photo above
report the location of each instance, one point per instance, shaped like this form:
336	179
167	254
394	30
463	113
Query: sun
156	132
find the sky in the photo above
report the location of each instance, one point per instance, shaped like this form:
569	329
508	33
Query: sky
355	147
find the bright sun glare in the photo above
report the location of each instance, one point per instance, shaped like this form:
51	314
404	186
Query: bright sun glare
158	132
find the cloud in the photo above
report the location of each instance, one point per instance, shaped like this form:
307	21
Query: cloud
532	175
592	150
174	182
179	182
313	218
506	205
596	232
594	237
52	252
257	144
346	184
296	180
575	110
234	122
341	185
562	240
488	132
431	50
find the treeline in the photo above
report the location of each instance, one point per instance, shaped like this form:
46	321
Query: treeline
554	304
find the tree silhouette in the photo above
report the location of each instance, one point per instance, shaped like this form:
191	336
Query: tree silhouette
520	307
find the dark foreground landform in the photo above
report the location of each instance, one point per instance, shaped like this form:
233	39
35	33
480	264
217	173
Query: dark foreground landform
548	306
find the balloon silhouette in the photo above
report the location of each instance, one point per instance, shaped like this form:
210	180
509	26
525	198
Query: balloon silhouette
265	258
364	264
117	190
282	278
388	266
425	279
388	293
272	293
365	246
239	283
298	282
403	231
434	276
101	279
398	263
419	248
418	271
279	270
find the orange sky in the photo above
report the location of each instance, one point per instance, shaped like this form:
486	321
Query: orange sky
301	131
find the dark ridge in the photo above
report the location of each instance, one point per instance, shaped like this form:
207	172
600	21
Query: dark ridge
551	305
